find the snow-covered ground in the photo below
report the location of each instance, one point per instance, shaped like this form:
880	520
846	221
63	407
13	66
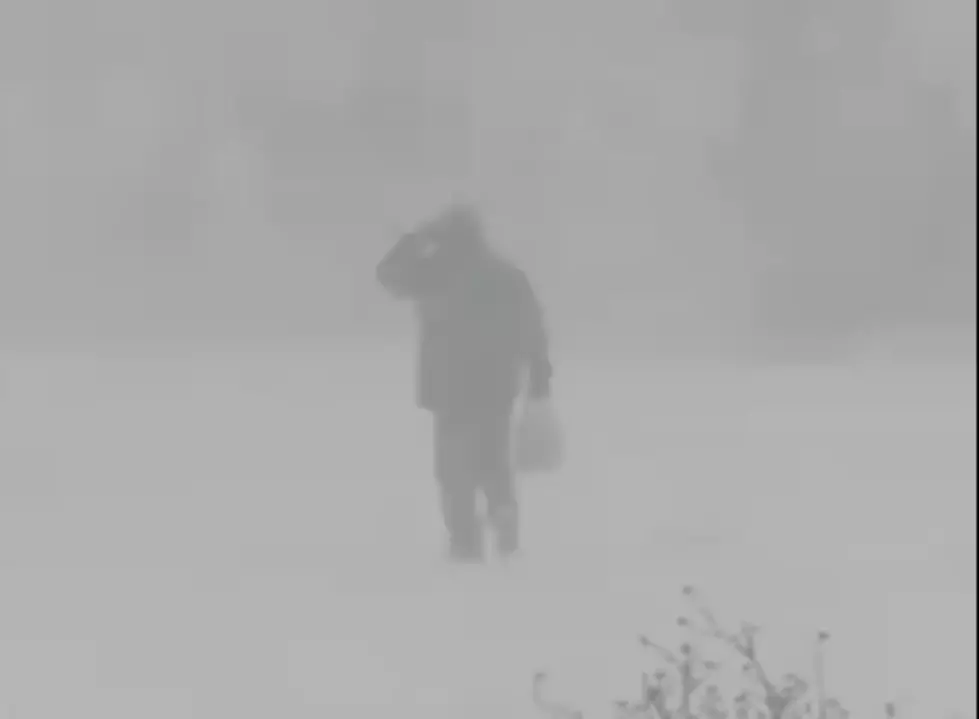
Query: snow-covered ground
254	534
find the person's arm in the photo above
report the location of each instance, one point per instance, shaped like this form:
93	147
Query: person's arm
534	339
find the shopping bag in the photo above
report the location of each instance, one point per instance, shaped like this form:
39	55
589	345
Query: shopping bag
538	438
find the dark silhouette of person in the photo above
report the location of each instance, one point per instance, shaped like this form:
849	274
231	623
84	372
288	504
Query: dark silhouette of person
481	340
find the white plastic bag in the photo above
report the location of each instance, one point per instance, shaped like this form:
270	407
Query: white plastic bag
538	438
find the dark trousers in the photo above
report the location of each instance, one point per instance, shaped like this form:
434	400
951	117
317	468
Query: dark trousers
472	458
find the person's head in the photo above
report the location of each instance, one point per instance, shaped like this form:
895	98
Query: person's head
426	260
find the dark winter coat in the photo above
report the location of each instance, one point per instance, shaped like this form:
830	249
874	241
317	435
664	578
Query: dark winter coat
481	328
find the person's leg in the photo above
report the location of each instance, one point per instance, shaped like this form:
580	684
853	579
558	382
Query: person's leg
454	440
495	477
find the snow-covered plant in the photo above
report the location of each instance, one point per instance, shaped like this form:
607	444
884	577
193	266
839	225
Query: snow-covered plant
685	682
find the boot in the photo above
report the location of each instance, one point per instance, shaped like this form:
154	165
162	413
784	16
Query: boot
468	550
506	526
465	555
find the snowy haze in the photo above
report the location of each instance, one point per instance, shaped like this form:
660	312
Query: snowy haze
215	492
254	534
